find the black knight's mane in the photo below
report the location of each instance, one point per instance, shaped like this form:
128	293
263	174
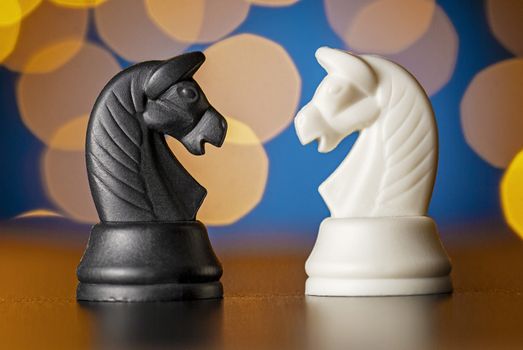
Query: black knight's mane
120	151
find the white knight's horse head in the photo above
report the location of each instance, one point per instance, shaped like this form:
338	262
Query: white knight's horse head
390	170
344	102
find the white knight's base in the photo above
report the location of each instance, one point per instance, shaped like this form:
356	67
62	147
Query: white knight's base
378	257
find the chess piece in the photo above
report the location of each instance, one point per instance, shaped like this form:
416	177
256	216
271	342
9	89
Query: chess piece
378	240
149	245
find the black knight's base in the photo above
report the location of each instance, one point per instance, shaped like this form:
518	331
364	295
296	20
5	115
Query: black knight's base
139	262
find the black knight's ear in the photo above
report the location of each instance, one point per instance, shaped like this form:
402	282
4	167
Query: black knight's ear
171	71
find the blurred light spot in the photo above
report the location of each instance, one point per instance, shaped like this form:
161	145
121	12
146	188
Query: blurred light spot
38	213
274	3
389	26
492	110
126	28
71	135
240	133
197	20
79	3
49	102
27	6
432	59
53	56
341	13
253	80
10	12
8	38
65	178
234	176
44	28
506	21
512	194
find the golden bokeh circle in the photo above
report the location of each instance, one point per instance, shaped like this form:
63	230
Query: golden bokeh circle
492	110
65	179
432	59
512	194
197	21
253	80
70	136
234	175
8	39
125	26
46	28
10	12
505	18
389	26
60	101
27	6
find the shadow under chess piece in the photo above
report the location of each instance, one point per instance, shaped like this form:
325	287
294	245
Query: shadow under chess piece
378	240
148	245
392	323
168	325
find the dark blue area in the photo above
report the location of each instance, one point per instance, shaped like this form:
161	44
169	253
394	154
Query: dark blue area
466	187
20	181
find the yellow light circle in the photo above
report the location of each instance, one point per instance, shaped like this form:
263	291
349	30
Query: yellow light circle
40	47
492	110
240	133
55	106
8	39
71	135
512	194
27	6
234	175
53	56
197	20
10	12
79	3
253	80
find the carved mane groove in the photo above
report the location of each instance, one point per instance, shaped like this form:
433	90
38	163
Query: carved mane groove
115	155
409	137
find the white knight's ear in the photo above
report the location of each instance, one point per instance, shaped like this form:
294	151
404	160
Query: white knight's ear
348	65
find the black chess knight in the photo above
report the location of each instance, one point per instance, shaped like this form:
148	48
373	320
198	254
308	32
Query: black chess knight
149	245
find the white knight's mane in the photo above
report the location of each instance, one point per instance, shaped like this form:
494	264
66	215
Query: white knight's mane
409	137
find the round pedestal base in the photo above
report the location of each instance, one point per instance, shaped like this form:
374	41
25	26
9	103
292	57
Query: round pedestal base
149	262
378	257
149	292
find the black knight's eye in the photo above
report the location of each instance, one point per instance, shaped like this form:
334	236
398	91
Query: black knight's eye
188	93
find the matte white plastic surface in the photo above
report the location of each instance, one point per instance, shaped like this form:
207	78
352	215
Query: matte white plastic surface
389	174
378	256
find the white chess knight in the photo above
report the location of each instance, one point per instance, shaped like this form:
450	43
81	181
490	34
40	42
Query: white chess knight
378	240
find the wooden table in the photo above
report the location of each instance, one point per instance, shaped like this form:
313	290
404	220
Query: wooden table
264	306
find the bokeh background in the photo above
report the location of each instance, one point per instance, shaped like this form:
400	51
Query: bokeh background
56	55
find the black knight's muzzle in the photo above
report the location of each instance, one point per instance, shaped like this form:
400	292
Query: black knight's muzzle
212	129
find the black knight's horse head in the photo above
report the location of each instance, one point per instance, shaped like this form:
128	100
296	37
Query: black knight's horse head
132	173
178	107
